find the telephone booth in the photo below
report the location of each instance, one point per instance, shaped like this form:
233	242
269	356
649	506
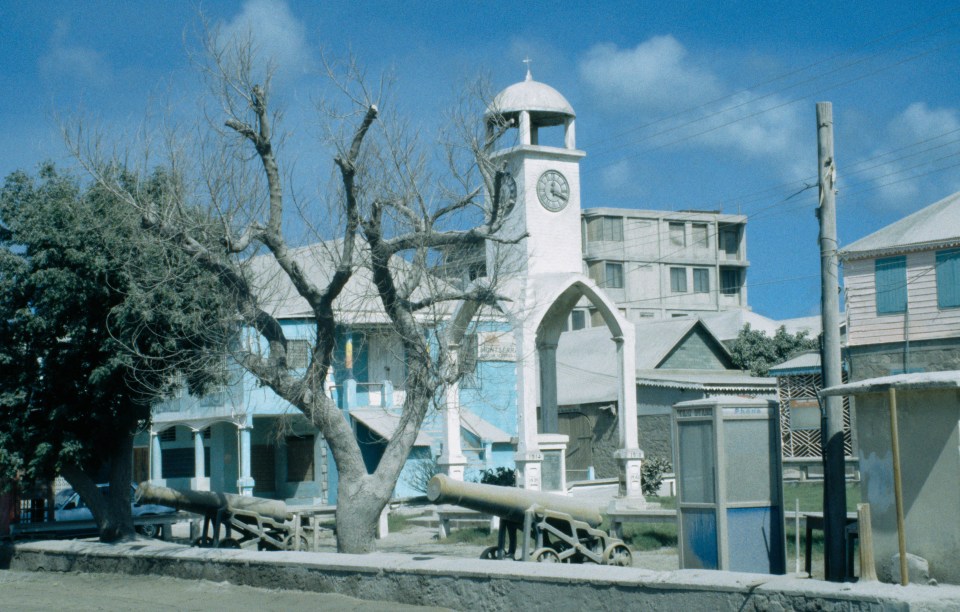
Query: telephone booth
730	491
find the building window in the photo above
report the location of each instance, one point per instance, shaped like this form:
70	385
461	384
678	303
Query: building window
730	282
578	319
613	275
890	274
948	278
729	241
678	236
168	435
700	235
299	458
701	280
678	280
605	229
298	352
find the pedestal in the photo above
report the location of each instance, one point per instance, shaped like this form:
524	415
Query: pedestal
553	471
454	467
529	467
630	494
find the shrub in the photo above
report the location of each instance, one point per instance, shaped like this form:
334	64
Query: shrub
501	476
420	472
652	472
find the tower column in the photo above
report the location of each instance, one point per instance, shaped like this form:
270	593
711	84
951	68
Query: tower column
629	456
550	421
452	461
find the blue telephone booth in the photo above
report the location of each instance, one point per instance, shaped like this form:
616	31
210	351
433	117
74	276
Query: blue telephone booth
730	490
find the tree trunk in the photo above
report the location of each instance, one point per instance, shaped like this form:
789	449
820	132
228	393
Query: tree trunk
359	505
112	512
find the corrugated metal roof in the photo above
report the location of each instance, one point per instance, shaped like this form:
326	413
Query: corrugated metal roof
801	364
384	424
358	303
914	381
587	362
937	225
481	428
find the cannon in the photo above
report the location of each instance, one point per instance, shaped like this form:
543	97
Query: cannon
564	530
264	523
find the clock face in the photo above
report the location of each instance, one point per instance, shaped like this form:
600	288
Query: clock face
553	191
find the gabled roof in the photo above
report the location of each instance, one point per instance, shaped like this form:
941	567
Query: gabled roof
587	360
935	226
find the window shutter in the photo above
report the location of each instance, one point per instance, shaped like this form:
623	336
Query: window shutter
891	278
948	278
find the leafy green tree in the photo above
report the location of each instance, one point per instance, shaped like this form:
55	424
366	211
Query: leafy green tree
96	320
754	350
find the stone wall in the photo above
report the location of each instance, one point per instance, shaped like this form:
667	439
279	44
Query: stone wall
895	358
473	584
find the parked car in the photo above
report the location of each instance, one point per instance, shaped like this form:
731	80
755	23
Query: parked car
69	506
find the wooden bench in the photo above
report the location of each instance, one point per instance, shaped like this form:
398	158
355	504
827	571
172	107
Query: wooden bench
446	514
814	520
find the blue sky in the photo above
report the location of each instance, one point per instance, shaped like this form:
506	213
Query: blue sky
706	105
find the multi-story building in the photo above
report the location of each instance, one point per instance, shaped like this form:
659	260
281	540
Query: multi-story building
663	264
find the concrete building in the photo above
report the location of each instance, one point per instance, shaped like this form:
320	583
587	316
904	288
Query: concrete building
902	287
662	264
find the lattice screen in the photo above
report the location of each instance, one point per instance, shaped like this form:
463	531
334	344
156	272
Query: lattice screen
806	442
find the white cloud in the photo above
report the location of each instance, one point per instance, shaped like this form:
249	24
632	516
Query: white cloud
669	99
619	175
654	76
276	34
73	62
902	170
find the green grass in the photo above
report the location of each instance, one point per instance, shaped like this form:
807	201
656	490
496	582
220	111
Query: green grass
471	535
397	522
810	494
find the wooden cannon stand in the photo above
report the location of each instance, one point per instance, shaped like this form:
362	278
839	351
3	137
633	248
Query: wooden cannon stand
558	538
252	527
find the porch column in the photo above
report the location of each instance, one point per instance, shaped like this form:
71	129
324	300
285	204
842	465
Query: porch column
156	460
200	481
245	482
629	456
452	461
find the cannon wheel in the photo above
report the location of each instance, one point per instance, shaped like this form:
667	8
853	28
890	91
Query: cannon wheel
290	541
149	530
491	553
618	554
545	555
229	543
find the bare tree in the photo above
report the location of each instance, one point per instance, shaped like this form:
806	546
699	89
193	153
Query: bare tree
388	219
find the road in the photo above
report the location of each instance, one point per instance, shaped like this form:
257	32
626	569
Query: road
46	591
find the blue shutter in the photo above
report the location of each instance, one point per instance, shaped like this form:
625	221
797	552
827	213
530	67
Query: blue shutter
948	278
891	279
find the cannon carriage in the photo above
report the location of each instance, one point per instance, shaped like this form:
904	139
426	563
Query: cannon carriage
248	521
553	528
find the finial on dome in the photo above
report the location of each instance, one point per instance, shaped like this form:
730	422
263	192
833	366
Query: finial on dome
528	61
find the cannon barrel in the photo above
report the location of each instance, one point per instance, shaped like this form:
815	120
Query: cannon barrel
509	503
206	502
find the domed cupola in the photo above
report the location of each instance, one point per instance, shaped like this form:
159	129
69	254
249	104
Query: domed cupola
530	105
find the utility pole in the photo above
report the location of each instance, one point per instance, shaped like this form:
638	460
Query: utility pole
831	433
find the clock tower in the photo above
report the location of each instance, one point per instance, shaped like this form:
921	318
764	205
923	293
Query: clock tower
539	150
